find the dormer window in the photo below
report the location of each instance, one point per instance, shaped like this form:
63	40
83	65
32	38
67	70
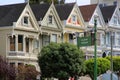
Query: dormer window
74	18
50	19
115	20
25	20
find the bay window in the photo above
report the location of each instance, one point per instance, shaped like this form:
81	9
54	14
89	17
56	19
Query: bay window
20	42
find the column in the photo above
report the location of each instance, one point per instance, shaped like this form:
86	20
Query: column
16	42
24	43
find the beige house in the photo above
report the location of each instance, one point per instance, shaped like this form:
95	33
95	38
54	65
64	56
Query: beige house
25	29
19	34
49	23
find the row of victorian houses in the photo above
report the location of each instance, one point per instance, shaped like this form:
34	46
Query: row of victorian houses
25	29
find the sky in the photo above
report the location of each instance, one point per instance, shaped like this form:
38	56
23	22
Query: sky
79	2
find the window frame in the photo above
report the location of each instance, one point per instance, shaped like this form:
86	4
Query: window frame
25	20
50	19
74	18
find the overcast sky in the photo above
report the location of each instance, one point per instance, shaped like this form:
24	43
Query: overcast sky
79	2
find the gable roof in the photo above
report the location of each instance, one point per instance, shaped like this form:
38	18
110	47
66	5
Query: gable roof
10	13
107	12
87	11
40	10
64	10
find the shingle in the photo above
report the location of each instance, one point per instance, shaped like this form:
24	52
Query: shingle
40	10
107	12
64	10
87	11
10	13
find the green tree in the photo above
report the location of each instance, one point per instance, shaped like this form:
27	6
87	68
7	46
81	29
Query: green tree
116	63
102	66
46	1
60	60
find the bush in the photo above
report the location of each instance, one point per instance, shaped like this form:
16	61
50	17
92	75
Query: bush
6	71
27	72
102	66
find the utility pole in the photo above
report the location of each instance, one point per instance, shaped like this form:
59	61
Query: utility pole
95	48
111	59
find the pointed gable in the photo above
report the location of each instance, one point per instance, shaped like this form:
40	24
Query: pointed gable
64	10
87	11
107	12
10	13
40	10
75	17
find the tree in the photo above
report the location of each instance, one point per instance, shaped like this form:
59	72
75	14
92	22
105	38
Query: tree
116	63
46	1
102	66
27	72
60	60
6	71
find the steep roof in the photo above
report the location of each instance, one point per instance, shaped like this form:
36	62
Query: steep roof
107	12
10	13
87	11
64	10
40	10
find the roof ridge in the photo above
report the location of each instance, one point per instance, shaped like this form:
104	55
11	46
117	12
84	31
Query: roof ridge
88	5
12	4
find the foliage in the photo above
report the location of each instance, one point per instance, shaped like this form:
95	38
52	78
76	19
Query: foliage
27	72
46	1
60	60
6	71
102	66
116	63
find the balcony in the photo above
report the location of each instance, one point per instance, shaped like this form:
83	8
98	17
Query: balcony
15	53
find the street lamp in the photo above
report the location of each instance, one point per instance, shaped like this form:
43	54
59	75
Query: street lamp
111	59
95	47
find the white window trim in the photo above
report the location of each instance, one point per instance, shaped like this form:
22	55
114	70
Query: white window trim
50	22
74	19
25	24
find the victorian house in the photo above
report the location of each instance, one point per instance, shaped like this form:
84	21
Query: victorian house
49	23
72	21
25	29
90	13
111	16
19	33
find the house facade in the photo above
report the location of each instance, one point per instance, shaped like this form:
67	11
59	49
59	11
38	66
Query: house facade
26	29
19	34
49	23
93	11
112	22
72	21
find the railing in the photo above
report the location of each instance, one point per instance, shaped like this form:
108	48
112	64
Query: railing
14	53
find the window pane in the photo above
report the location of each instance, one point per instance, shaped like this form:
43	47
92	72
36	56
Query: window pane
20	43
25	20
74	18
46	40
50	19
54	38
12	43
